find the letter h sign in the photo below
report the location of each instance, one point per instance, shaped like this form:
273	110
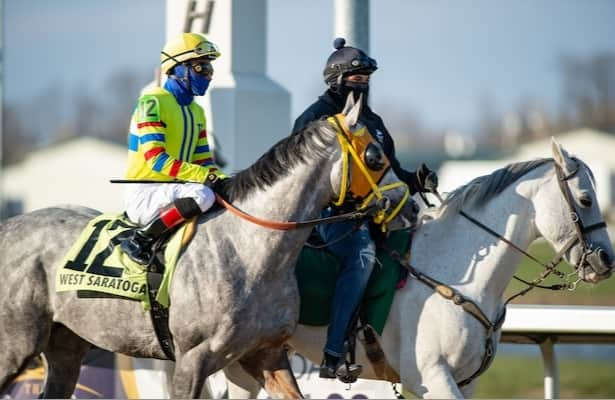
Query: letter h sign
192	14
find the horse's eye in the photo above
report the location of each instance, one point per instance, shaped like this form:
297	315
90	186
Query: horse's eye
585	200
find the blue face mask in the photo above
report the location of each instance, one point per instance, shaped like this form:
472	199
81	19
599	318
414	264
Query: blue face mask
199	83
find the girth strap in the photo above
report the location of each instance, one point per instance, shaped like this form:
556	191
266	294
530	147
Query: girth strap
160	316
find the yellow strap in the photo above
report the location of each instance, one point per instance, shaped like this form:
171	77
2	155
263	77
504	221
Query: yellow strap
344	186
363	169
381	216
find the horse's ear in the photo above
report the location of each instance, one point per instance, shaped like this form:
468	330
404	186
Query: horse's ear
349	104
559	154
353	115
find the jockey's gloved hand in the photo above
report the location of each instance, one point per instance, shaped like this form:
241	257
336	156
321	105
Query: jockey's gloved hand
427	179
214	178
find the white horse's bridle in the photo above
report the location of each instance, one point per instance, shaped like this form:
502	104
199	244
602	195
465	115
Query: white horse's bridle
473	309
581	230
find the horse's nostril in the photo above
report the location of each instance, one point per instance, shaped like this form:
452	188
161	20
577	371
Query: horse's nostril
604	257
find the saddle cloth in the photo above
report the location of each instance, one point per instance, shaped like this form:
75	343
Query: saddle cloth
317	271
96	263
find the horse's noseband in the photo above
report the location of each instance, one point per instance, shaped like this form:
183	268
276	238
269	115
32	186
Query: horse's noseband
589	255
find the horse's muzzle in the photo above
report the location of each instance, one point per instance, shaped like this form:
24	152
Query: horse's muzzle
600	263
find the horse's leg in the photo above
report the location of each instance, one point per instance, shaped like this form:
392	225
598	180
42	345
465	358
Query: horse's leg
191	370
436	383
271	368
64	354
23	334
239	383
12	363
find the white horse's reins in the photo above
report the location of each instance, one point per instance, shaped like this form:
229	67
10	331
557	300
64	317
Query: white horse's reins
550	267
473	309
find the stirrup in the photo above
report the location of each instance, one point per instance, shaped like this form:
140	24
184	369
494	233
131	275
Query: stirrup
137	250
329	366
348	373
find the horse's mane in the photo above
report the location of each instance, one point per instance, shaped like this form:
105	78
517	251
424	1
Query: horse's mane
483	188
313	141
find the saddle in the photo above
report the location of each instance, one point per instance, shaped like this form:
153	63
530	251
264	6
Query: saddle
317	271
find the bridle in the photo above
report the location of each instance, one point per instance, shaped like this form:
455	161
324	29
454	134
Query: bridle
580	229
380	211
381	217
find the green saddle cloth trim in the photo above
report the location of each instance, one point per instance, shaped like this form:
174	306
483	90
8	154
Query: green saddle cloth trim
96	263
317	271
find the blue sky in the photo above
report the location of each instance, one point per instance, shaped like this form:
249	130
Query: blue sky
439	59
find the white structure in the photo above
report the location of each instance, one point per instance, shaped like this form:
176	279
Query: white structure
73	172
246	110
593	147
545	325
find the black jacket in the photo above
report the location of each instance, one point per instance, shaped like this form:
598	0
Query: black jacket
330	104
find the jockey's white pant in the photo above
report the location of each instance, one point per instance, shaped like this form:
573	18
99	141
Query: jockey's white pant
143	201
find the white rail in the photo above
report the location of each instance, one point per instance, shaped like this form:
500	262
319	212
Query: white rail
546	325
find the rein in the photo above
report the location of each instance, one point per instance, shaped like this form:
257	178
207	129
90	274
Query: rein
290	225
377	211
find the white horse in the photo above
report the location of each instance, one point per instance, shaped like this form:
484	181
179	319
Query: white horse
432	343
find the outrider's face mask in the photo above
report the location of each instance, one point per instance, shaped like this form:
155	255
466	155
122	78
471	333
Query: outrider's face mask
357	88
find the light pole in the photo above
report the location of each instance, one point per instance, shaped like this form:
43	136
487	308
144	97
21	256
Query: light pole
351	22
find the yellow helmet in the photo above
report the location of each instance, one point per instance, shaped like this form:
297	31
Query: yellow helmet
186	47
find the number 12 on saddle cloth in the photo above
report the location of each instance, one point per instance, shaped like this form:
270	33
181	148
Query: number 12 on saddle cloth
95	263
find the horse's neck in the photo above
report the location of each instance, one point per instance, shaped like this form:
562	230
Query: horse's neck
299	196
456	252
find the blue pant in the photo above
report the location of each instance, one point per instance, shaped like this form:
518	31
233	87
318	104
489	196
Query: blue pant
357	252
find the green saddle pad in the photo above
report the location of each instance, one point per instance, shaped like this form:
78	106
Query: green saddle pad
317	271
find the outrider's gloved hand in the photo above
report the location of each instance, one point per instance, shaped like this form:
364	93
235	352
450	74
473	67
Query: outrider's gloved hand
427	179
214	178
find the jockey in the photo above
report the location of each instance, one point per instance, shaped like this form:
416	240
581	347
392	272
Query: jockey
167	143
348	70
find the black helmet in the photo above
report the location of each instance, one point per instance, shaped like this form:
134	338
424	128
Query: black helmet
344	60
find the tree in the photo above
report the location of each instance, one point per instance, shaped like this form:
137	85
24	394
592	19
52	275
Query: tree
17	140
589	90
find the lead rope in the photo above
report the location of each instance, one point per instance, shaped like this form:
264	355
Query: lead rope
337	239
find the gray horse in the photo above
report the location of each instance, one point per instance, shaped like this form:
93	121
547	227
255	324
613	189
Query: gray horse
233	297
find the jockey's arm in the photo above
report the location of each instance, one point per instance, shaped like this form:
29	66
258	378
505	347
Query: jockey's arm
159	160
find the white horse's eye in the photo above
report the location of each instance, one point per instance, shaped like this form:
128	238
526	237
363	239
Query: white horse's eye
585	200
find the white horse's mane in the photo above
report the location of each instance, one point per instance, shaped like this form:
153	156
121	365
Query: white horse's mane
483	188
